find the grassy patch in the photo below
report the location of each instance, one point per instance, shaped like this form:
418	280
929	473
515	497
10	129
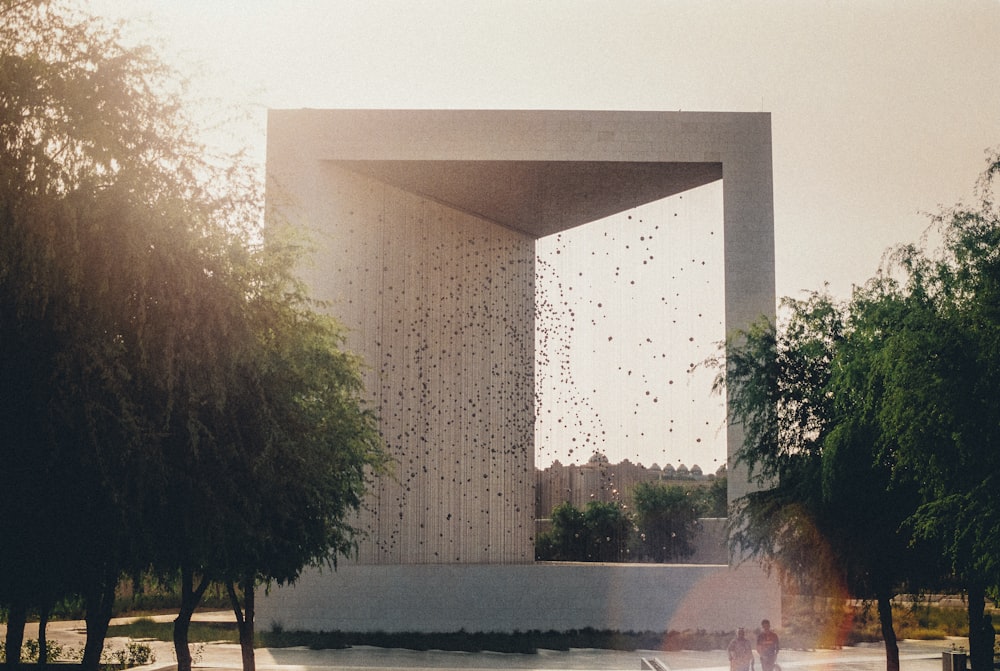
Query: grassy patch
815	622
145	628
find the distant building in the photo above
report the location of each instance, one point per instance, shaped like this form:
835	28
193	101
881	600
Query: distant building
600	480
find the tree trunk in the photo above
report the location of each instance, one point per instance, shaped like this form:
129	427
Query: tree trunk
888	632
190	597
100	603
43	643
244	620
17	615
981	640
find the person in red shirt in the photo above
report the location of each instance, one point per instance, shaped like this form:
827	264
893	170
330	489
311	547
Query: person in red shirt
767	646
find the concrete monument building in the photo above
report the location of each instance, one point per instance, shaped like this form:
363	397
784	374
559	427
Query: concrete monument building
424	223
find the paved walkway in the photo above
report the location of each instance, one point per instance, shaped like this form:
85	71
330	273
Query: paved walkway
915	656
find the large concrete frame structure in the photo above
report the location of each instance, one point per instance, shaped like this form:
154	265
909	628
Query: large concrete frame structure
425	222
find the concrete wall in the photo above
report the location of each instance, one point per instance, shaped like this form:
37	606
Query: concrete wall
425	222
441	305
542	596
515	169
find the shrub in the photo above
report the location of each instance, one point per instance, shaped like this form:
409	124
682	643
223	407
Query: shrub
31	649
134	653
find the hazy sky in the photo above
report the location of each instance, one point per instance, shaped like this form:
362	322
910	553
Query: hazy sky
880	111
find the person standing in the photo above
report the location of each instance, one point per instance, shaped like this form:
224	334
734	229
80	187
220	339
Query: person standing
767	646
740	652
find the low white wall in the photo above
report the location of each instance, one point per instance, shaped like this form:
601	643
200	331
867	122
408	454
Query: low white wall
522	597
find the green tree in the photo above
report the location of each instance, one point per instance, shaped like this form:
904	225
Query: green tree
712	500
567	539
72	273
601	532
939	368
875	427
608	532
281	458
667	520
829	511
170	397
312	454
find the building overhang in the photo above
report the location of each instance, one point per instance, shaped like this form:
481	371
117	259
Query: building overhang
535	171
540	198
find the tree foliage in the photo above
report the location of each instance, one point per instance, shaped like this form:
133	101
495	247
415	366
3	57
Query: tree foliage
170	398
939	411
661	526
599	533
872	426
666	518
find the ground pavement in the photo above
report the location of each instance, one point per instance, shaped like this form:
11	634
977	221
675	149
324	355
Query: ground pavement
915	656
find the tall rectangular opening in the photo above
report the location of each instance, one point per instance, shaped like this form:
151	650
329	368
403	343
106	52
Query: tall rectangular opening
627	307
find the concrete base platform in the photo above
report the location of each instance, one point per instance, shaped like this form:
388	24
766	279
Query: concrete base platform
914	656
541	596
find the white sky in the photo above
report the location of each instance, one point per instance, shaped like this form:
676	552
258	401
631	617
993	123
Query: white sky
629	305
880	111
